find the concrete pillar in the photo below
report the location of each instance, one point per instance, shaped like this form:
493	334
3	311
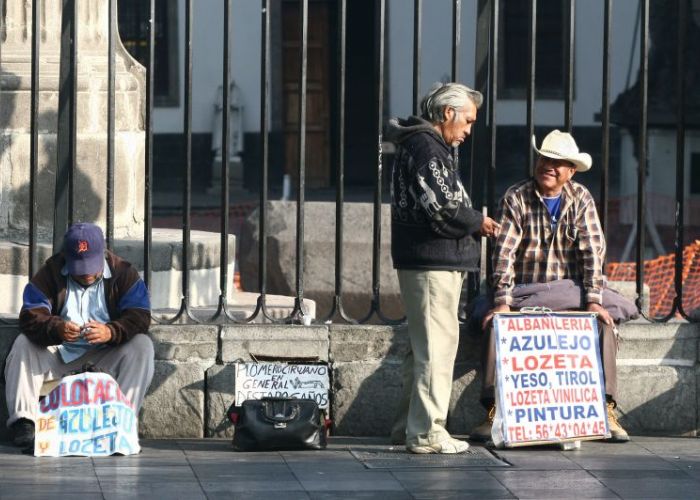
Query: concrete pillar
90	174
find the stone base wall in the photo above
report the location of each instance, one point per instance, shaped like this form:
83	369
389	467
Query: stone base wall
658	374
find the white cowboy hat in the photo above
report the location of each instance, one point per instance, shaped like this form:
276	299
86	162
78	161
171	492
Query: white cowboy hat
561	146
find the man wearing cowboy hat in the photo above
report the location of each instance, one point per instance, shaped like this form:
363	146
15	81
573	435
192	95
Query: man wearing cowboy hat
85	306
550	234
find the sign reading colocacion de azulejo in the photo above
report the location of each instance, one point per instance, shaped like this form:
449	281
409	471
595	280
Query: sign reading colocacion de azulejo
86	415
550	385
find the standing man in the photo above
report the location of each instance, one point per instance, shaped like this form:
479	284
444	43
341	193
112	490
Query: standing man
550	253
432	245
84	306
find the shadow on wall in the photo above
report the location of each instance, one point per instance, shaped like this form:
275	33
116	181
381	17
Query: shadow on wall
15	161
373	389
656	399
660	399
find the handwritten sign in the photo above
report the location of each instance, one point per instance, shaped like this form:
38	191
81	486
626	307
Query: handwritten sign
549	378
86	415
280	380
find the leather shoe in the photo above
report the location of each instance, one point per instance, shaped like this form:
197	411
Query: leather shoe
23	431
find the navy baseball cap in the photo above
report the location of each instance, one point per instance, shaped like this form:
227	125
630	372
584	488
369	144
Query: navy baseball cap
84	249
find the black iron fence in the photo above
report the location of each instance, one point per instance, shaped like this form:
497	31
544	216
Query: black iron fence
482	151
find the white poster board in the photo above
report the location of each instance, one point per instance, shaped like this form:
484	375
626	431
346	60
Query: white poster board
549	385
86	415
281	380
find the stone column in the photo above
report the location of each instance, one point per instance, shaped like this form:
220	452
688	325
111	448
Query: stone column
91	155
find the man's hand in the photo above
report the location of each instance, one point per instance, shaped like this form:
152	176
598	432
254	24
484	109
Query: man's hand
70	332
489	317
489	227
96	332
603	314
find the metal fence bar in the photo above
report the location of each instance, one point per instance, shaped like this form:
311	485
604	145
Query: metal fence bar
569	65
605	116
417	21
34	140
148	156
225	144
456	34
531	72
66	134
456	24
642	147
265	155
680	158
298	311
492	98
377	211
187	166
111	44
479	137
340	162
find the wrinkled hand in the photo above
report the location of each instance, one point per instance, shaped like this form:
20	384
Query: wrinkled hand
489	227
603	314
489	317
70	332
96	332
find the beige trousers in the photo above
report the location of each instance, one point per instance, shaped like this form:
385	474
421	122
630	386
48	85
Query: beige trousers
431	299
29	365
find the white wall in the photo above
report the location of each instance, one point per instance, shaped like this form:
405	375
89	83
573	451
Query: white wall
207	54
436	50
437	34
436	60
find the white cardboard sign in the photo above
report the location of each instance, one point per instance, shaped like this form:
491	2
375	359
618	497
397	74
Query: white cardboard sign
550	384
86	415
281	380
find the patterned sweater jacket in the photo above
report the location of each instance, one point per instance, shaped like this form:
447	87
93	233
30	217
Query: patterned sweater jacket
432	220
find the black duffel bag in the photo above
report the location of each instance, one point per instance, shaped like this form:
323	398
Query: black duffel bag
278	424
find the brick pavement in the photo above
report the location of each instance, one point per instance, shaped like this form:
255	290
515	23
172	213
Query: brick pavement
647	467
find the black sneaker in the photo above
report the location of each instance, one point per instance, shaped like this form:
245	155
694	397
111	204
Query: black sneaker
23	430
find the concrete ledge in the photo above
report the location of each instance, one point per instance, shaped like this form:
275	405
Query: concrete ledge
166	266
658	374
283	342
174	405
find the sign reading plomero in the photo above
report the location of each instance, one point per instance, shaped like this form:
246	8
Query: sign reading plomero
549	378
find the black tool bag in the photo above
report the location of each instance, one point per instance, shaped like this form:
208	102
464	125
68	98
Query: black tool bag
278	424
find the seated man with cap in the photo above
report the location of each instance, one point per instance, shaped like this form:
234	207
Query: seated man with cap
550	253
85	306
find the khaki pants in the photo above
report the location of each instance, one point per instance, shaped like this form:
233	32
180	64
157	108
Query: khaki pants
29	365
608	353
431	299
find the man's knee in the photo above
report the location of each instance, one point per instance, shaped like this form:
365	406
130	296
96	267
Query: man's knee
22	344
21	348
139	348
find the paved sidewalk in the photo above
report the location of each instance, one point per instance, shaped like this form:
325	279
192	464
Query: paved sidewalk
190	469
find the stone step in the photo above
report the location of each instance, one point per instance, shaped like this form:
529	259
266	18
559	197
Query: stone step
193	385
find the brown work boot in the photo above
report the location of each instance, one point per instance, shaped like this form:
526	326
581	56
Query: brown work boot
617	433
482	432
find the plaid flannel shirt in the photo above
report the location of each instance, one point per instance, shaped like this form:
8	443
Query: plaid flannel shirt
528	251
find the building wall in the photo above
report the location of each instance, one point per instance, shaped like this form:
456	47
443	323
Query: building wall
207	50
436	60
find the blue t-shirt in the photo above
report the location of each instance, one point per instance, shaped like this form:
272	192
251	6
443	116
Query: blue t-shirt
554	208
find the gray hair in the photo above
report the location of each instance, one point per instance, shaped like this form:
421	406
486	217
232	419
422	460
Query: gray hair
447	95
